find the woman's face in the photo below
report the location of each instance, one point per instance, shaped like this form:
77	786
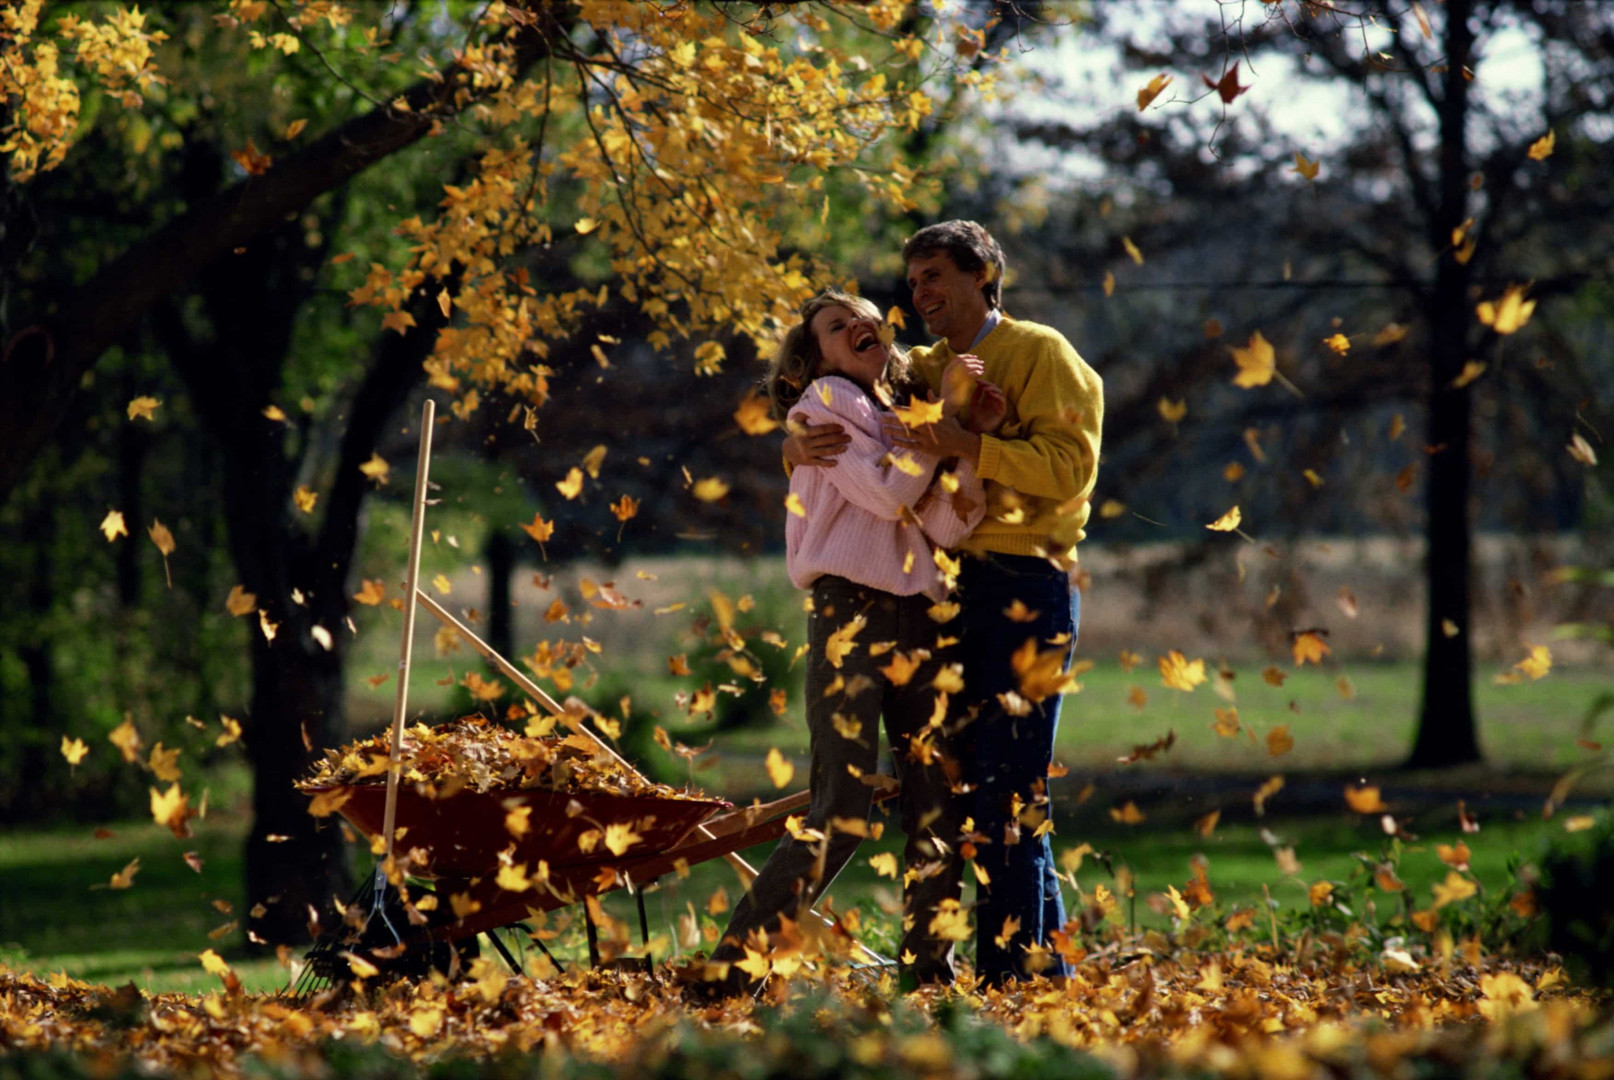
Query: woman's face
849	345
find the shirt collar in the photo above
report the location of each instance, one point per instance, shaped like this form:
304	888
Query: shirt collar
993	317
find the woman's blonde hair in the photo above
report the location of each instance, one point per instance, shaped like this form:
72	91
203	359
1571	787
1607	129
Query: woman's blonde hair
795	363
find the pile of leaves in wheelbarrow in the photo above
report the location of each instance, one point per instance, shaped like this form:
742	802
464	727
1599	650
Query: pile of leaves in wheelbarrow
473	753
1129	1016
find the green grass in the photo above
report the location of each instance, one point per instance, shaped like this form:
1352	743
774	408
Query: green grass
55	917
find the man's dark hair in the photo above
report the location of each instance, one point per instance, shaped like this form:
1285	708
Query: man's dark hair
970	247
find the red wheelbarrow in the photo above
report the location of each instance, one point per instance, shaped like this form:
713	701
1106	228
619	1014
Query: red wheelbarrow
456	842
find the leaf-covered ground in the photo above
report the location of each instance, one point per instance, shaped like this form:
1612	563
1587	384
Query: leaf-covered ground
1125	1013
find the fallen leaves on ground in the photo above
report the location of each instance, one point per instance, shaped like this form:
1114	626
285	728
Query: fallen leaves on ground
1144	1012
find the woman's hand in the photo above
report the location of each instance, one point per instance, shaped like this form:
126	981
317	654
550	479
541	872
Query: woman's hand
814	444
945	438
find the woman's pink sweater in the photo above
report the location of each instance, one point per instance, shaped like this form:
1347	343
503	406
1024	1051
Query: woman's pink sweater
866	519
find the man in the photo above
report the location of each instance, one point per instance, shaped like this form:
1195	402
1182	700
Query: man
1015	588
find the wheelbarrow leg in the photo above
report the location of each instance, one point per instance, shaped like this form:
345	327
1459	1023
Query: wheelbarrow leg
644	933
515	965
593	938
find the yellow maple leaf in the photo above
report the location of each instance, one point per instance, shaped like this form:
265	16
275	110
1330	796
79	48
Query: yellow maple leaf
1472	369
593	460
903	665
1542	148
162	538
540	530
884	864
112	525
1364	800
1178	673
710	489
213	963
951	922
1152	89
376	469
124	878
619	836
842	641
1537	664
513	878
172	808
1306	167
779	770
426	1023
164	763
1206	825
1128	814
1279	741
400	321
1338	343
305	498
794	505
232	731
127	740
1309	645
1455	888
372	593
294	129
752	415
518	821
1256	361
920	413
1170	411
1507	314
1227	722
240	602
1041	674
1228	522
142	408
572	486
1578	448
1109	283
1132	250
74	750
327	803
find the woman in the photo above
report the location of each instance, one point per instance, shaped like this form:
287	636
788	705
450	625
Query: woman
862	537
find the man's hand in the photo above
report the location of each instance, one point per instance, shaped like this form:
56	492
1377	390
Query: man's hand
989	409
945	438
815	444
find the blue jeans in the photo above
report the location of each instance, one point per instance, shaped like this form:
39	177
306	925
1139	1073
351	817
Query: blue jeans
1008	756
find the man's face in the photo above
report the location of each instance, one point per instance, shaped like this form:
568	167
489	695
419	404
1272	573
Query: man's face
947	298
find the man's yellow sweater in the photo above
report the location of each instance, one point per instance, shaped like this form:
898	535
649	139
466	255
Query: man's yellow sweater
1041	468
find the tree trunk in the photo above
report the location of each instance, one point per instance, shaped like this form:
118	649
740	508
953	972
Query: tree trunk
294	862
1446	724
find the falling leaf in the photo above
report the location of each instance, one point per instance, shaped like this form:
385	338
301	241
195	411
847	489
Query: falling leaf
1273	677
172	808
74	750
1309	645
1178	673
1227	722
710	489
232	731
780	771
294	129
1542	148
1271	787
919	413
1338	343
1306	167
572	486
1128	814
399	321
124	878
1228	522
1109	283
752	414
1472	370
1537	664
164	764
1578	448
1152	90
1256	361
1279	741
1364	800
1132	250
884	864
793	504
305	498
593	460
585	225
326	803
1455	856
112	525
127	740
1579	823
1206	825
1170	411
1389	334
840	642
1455	888
375	469
619	836
1507	314
142	408
1228	86
372	593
